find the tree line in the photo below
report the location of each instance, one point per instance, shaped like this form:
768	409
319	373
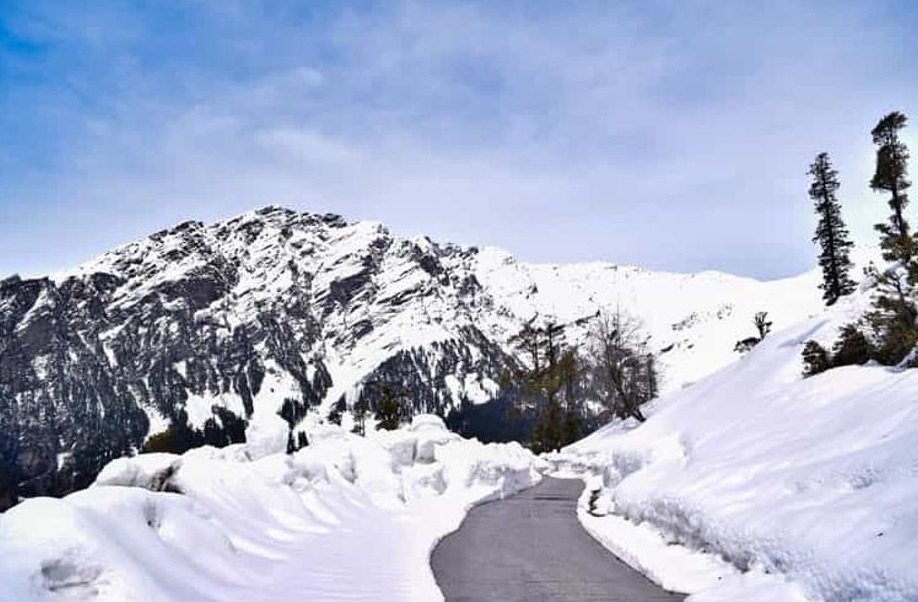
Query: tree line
613	367
888	333
557	379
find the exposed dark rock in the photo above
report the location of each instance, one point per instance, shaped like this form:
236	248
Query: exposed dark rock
186	327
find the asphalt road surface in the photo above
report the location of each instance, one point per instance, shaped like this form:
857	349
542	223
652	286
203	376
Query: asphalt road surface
532	547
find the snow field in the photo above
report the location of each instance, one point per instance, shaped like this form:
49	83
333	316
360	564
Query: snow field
346	518
772	487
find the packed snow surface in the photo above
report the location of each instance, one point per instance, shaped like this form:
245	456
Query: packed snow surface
774	487
347	518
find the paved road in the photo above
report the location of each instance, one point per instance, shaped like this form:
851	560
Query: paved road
532	547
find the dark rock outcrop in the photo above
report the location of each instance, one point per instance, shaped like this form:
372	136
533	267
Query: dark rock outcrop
197	326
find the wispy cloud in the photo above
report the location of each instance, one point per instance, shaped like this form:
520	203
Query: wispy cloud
673	135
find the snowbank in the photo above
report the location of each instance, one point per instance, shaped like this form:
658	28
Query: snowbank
775	487
345	518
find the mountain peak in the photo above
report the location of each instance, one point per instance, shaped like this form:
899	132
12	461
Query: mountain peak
204	327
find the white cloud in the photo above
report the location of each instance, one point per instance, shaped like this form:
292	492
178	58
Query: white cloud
671	136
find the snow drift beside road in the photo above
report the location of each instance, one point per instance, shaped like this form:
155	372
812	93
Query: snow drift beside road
345	518
769	474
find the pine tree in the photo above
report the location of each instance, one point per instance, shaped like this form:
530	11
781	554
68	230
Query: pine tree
851	348
162	442
570	373
388	409
815	359
337	412
890	176
360	417
548	431
894	319
551	376
831	233
573	427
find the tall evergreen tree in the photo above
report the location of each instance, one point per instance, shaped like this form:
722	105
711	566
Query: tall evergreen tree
831	233
551	379
890	176
894	319
570	373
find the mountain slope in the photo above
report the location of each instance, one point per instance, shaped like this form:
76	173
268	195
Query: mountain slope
777	488
277	311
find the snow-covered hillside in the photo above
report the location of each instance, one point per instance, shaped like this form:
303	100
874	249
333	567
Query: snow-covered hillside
346	518
808	486
205	326
694	320
751	484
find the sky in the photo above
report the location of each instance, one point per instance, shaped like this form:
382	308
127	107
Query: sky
670	135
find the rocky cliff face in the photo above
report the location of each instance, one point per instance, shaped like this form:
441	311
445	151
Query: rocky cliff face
207	327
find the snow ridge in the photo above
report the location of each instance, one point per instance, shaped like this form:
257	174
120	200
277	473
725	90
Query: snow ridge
346	518
774	487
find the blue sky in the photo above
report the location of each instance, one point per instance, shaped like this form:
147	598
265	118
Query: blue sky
673	135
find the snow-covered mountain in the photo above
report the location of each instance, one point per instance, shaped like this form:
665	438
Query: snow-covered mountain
753	484
272	311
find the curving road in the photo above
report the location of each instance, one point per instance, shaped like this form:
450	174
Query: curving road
532	547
